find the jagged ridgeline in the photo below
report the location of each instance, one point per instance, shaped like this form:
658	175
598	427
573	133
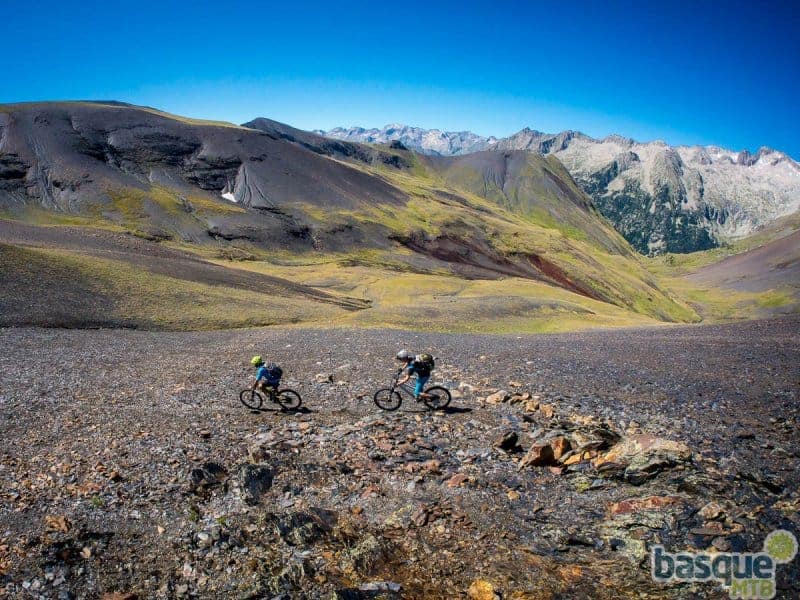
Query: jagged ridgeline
268	188
661	198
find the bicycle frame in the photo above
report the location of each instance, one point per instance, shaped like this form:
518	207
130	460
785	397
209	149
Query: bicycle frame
268	390
405	387
391	398
282	396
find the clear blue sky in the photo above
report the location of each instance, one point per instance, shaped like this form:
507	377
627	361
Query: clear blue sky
726	73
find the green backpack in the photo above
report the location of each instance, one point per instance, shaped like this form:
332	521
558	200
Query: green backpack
424	363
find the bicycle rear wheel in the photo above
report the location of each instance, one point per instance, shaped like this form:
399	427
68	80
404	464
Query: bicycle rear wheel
288	399
251	399
387	399
437	397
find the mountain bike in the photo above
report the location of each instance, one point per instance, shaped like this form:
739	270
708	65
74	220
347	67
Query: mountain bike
288	399
434	397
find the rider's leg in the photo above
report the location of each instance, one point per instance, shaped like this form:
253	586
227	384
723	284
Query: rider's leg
264	387
418	393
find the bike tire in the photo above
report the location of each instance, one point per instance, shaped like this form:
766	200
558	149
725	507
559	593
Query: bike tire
251	399
288	399
387	399
438	397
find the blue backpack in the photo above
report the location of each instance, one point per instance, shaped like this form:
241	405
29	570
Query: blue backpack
274	374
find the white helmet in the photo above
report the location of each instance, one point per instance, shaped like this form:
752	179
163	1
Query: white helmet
404	355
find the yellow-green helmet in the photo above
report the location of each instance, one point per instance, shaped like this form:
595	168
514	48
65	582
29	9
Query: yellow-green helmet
256	361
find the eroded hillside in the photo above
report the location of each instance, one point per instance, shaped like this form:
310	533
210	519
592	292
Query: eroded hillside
274	193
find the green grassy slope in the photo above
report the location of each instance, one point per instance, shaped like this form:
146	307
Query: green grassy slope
714	301
59	288
597	264
403	298
547	230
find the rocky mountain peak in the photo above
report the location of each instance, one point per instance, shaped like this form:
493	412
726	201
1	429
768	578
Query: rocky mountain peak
718	193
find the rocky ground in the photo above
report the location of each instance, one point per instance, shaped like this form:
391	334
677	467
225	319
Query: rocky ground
128	468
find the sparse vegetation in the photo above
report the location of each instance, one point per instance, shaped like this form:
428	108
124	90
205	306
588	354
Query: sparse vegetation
715	303
57	287
775	299
443	302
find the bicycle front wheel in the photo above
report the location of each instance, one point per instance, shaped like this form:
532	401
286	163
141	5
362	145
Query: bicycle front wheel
288	399
437	397
251	399
387	399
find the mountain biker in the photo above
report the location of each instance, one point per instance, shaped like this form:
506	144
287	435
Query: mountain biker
267	375
419	365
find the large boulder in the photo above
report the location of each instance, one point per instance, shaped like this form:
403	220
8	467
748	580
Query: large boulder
640	457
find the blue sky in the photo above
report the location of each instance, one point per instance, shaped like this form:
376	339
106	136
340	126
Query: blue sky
726	73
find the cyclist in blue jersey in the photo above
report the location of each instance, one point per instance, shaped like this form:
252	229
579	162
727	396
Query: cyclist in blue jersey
420	365
267	375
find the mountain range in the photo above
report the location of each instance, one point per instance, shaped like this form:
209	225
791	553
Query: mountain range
426	141
113	214
661	198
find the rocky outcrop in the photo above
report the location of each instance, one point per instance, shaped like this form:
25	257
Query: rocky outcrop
641	457
429	141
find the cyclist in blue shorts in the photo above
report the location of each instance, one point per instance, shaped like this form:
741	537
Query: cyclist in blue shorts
420	365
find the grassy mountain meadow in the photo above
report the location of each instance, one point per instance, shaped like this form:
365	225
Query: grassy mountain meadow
114	215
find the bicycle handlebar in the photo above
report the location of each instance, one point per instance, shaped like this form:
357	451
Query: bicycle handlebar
397	375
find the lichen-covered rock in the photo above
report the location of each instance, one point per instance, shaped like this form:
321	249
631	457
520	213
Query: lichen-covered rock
480	589
365	556
635	523
306	527
208	475
254	481
644	456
